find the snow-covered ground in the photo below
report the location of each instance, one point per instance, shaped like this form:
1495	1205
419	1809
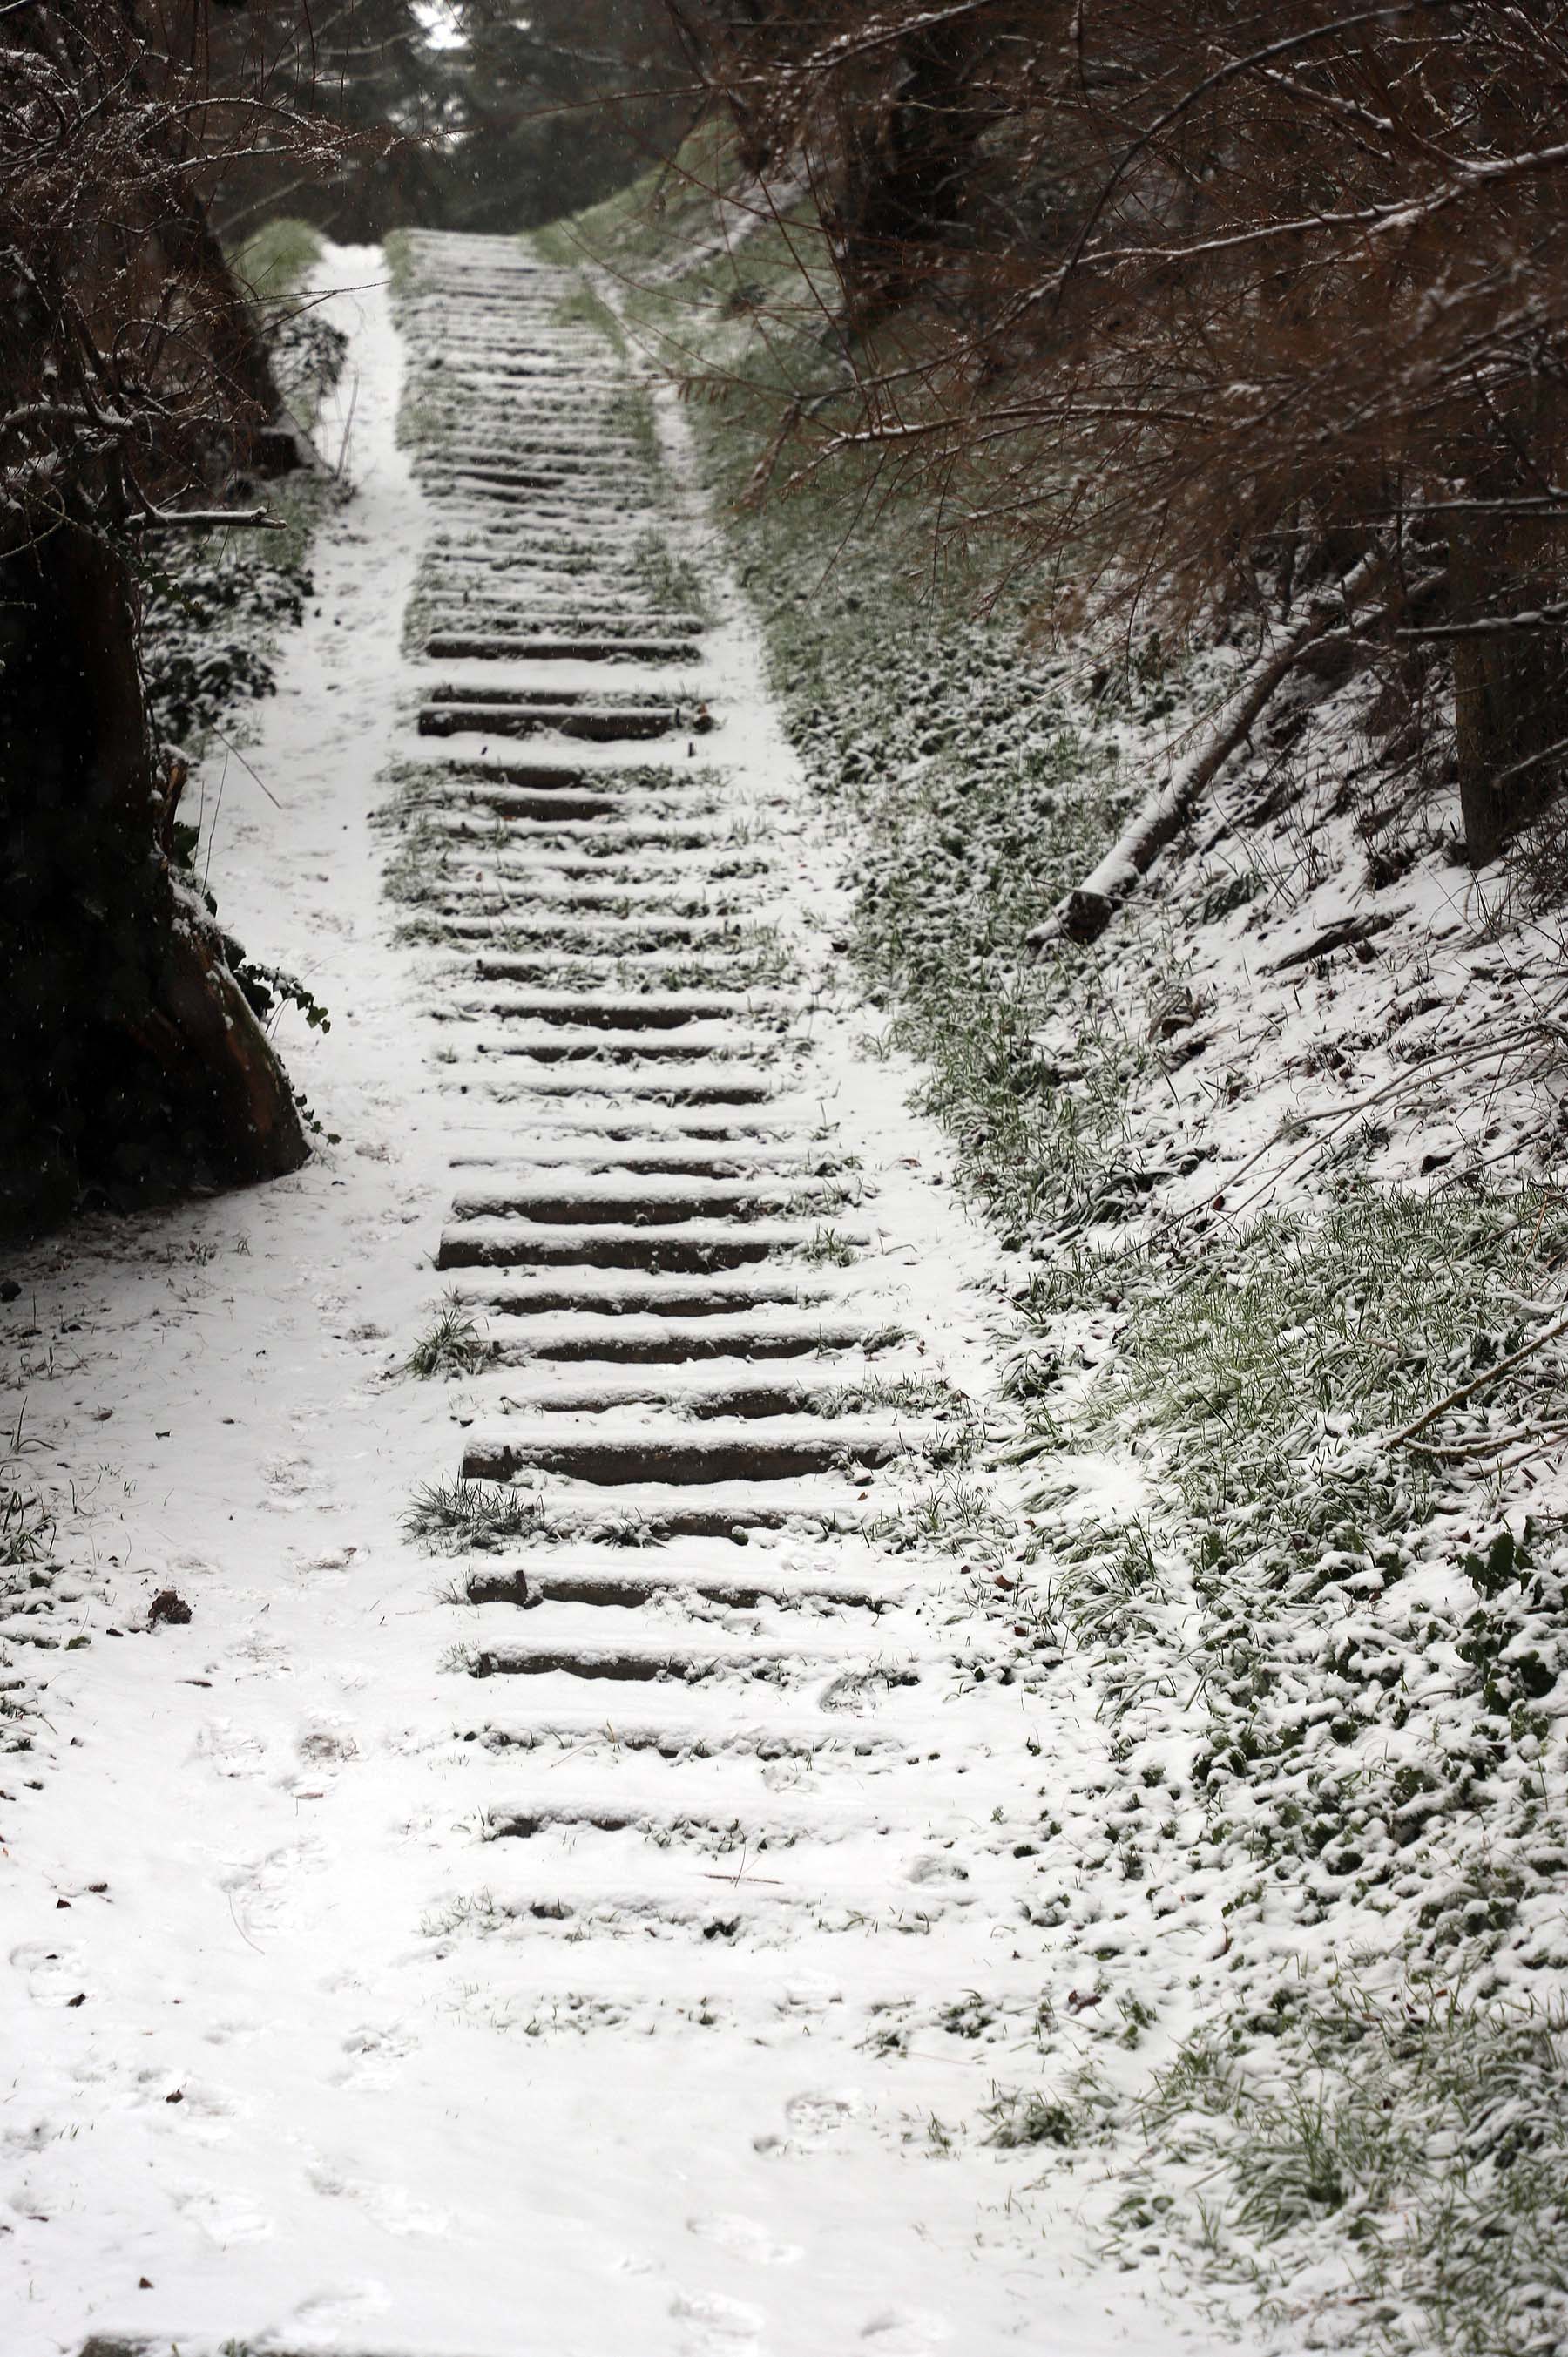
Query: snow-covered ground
269	2081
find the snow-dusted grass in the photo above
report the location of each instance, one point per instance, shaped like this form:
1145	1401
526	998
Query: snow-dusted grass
276	259
452	1344
460	1516
1409	2150
1273	1196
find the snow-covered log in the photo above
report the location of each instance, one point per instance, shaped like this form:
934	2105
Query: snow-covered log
1086	910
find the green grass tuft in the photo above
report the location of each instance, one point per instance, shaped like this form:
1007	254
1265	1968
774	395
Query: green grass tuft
452	1346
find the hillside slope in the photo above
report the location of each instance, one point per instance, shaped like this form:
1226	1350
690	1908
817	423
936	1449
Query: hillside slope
1275	1166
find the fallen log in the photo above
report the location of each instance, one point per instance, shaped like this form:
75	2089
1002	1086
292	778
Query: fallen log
1084	913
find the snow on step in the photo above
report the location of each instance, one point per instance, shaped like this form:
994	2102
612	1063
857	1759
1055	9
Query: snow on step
692	1246
608	723
620	1294
651	1200
737	1389
680	1736
455	645
651	1514
608	1585
640	1340
675	1454
564	1043
651	1010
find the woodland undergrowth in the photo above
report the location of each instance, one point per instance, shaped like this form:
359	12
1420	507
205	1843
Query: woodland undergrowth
1284	1244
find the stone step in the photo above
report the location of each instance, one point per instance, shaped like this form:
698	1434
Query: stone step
698	1247
663	1294
649	1051
597	969
545	886
615	937
539	444
678	1086
679	1738
555	804
649	878
566	375
608	1586
656	1516
468	539
552	503
752	1832
590	1131
653	1010
499	614
507	566
741	1392
642	1341
604	723
580	482
574	466
597	834
673	1456
653	1156
669	782
583	1198
654	1659
459	646
642	935
546	695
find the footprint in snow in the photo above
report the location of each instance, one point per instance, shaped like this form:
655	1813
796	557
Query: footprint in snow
745	2237
192	2108
716	2324
392	2207
321	1750
259	1890
813	2120
904	2332
375	2054
937	1868
229	1749
55	1976
225	2218
824	2114
292	1482
320	2321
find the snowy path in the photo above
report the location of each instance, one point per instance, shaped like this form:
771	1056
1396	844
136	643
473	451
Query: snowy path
579	1944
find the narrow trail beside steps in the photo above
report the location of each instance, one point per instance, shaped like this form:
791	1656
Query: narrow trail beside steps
609	1930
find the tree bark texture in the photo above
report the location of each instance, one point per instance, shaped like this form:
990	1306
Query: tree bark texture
905	176
130	1064
1511	689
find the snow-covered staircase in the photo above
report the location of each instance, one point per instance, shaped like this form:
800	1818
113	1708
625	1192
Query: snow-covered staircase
709	1393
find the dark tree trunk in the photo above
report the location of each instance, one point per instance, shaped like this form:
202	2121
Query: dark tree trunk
1511	687
130	1064
906	182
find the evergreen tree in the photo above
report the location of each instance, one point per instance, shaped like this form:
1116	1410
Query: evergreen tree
471	113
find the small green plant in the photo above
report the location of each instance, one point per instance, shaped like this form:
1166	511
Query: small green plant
452	1346
829	1247
26	1528
1031	2118
449	1516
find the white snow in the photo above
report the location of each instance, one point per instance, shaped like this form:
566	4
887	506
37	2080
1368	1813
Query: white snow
264	2052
